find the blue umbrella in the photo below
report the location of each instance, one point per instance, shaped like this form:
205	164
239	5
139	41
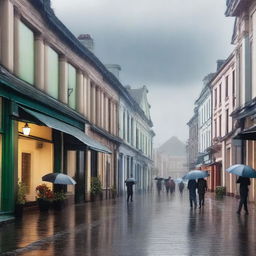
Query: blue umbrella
59	178
178	180
242	170
195	174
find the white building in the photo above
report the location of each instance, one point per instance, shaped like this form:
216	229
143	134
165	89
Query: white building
204	105
135	130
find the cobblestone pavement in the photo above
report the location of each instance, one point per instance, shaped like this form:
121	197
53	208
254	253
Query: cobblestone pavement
150	226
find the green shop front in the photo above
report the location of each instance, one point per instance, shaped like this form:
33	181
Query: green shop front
55	143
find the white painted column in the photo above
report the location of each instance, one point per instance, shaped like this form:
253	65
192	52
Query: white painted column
80	92
16	44
7	49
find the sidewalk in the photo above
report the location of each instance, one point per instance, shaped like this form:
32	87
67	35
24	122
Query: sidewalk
149	226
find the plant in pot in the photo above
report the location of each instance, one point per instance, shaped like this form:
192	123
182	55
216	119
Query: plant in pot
96	188
44	197
59	200
220	191
20	199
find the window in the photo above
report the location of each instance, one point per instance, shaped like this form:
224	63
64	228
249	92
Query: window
226	86
215	98
220	94
132	130
72	87
52	79
128	128
124	128
26	53
233	87
220	125
227	120
215	128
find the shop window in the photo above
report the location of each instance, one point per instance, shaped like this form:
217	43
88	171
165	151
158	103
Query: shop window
71	86
52	72
26	170
26	54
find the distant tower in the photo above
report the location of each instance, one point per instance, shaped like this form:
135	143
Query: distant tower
87	41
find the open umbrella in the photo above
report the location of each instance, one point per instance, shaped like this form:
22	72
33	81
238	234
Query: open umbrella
130	180
158	178
178	180
59	178
242	170
195	174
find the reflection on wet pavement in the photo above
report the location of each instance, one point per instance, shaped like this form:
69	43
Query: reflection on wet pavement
151	225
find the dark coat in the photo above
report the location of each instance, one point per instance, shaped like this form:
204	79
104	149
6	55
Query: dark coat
244	183
201	186
192	185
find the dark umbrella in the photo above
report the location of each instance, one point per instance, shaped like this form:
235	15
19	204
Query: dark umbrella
59	178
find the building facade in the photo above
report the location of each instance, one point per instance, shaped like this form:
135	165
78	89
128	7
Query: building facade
135	130
58	88
204	105
244	39
224	147
192	144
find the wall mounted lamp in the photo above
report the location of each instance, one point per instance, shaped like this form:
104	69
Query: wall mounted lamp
26	130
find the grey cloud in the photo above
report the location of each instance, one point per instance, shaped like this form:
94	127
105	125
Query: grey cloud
169	45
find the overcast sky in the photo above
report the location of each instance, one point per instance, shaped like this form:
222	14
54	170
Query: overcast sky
167	45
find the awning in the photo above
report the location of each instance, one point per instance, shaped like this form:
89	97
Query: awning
247	134
68	129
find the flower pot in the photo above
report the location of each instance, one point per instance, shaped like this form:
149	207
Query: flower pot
58	205
18	211
43	204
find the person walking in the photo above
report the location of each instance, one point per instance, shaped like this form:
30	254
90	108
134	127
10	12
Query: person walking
192	186
167	185
181	187
159	185
172	186
201	190
244	183
129	184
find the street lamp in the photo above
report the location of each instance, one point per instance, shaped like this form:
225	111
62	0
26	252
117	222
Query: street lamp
26	130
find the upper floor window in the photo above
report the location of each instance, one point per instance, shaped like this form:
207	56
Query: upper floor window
227	121
220	94
215	98
226	85
52	72
26	59
71	86
233	87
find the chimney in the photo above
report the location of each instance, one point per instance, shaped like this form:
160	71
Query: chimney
87	41
114	69
219	64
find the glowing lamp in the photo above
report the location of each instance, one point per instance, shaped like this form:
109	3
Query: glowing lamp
26	130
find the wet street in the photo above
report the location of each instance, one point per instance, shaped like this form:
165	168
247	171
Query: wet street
148	226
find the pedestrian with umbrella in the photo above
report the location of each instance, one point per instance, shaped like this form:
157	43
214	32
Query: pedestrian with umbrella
201	190
192	176
129	184
244	172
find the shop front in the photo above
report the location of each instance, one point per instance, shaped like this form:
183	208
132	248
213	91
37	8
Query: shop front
39	136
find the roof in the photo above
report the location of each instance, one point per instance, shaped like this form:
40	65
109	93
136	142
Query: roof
173	147
43	6
137	94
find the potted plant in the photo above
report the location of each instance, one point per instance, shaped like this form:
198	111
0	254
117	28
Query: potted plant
220	191
44	197
59	199
20	199
96	188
